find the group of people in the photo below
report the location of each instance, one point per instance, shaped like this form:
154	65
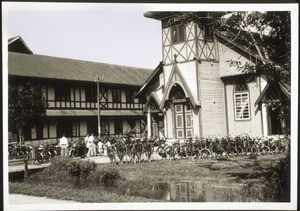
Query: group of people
91	147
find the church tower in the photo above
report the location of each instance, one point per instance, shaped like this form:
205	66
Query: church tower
190	93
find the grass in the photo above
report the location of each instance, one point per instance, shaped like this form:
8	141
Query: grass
232	172
80	194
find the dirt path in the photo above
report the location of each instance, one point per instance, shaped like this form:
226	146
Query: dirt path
15	199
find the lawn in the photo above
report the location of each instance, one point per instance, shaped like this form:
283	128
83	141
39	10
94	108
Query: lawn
138	182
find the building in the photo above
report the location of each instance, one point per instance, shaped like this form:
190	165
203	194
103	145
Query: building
194	92
70	90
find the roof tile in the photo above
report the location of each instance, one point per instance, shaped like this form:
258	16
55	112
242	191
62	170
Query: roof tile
69	69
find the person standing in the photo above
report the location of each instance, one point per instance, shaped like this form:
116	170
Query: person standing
92	146
100	147
86	140
63	143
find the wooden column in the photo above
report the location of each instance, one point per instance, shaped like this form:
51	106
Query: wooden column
149	123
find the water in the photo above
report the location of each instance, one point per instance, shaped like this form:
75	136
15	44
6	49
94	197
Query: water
191	191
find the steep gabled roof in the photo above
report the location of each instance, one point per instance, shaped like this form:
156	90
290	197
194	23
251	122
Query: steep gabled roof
238	42
268	93
240	46
17	44
151	78
182	83
152	98
40	66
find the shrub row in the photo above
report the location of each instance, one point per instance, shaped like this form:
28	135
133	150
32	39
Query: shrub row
65	169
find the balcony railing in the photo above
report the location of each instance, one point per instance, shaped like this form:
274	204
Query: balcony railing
93	105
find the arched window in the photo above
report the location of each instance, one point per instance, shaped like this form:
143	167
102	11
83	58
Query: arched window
241	102
177	93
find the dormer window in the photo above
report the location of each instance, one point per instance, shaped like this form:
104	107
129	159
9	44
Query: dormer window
178	33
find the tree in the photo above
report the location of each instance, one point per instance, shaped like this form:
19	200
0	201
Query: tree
270	35
26	106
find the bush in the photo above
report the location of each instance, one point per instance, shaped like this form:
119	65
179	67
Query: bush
70	170
280	181
65	169
107	177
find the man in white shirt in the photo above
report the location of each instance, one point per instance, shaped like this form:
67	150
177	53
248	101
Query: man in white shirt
92	146
63	143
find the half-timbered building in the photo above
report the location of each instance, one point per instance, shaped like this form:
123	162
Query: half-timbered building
70	90
194	92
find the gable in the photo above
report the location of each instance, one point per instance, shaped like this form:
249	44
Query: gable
151	80
17	44
227	54
176	79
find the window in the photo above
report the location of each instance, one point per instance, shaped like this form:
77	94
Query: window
177	93
91	94
131	123
62	93
74	129
154	130
178	33
129	96
118	127
116	95
208	32
241	102
142	99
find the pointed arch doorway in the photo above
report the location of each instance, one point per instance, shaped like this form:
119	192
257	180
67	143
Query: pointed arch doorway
183	115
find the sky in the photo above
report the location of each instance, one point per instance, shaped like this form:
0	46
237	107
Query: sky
106	33
112	33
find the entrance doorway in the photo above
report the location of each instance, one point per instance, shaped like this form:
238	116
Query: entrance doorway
183	121
274	122
183	117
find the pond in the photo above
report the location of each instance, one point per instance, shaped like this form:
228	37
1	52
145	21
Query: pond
192	191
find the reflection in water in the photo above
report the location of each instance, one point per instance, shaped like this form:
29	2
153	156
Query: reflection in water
190	191
186	192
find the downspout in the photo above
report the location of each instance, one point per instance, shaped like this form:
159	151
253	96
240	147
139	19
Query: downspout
226	110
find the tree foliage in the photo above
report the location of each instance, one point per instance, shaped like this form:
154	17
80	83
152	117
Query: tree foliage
268	35
26	105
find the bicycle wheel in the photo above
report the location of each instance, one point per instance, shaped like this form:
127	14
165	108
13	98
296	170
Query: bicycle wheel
232	152
240	151
254	150
265	150
171	152
39	158
274	149
193	153
205	154
221	153
248	151
161	152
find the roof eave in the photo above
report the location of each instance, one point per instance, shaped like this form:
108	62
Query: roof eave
22	41
160	15
157	69
237	45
